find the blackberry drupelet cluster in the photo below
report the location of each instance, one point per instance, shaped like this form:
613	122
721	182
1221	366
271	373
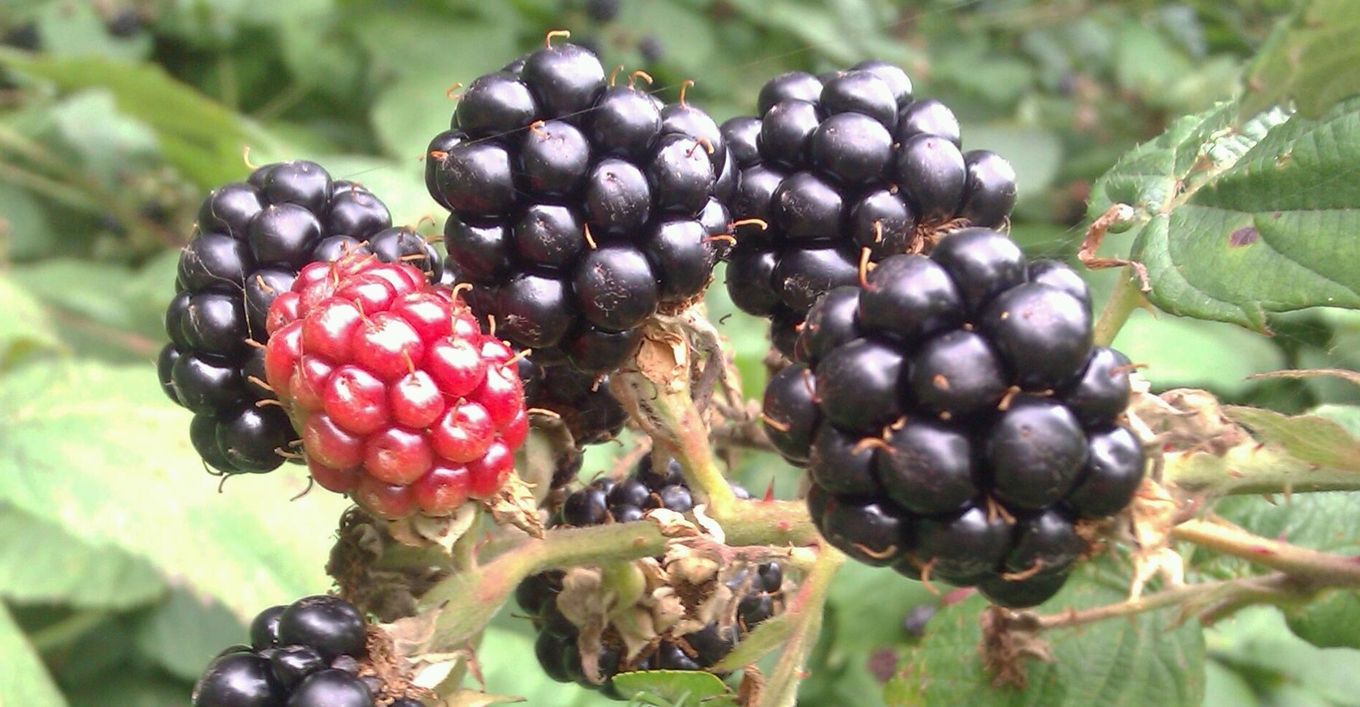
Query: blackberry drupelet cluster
956	420
310	653
252	238
845	167
401	400
578	208
759	589
581	400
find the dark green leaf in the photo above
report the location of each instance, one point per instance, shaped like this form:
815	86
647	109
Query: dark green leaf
41	562
1235	222
1310	59
196	134
1149	659
100	450
24	680
1321	521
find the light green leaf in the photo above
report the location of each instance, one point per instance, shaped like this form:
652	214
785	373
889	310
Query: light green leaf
681	688
25	327
1236	222
1181	352
1309	58
24	680
125	688
196	134
41	563
1149	659
1307	437
100	450
186	631
24	229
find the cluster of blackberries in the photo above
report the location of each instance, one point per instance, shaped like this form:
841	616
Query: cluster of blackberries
842	168
606	501
581	400
956	419
578	208
252	239
304	654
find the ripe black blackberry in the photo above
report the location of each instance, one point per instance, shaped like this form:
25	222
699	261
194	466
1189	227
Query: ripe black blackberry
252	238
305	654
580	207
844	168
755	592
956	420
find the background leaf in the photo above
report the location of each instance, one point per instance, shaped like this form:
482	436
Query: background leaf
24	680
1150	659
75	439
1309	60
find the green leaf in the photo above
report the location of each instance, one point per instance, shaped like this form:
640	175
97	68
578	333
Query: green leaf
186	631
25	328
100	450
1321	521
1181	352
25	232
1236	222
1309	59
24	680
196	134
125	688
1149	659
41	563
1307	437
1256	643
681	688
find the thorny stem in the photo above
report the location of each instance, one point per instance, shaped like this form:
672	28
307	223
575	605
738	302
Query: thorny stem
1277	588
1122	302
807	605
1306	565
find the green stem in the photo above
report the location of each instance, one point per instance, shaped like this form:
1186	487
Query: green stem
1123	299
1253	469
1272	588
1307	566
808	604
470	599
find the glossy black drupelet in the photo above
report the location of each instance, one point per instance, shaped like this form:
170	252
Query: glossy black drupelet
580	207
956	420
841	168
757	590
304	654
252	238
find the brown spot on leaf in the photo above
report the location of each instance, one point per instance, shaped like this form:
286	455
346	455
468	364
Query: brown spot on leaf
1245	235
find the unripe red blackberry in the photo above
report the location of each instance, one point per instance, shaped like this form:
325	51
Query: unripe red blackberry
400	399
251	239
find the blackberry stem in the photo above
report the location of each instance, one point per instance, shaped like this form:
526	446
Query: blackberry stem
1309	567
808	606
1123	299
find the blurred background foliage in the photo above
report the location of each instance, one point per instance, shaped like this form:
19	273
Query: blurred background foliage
117	116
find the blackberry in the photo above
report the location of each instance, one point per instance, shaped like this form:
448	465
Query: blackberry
304	654
757	591
580	206
251	239
584	404
955	419
401	401
849	164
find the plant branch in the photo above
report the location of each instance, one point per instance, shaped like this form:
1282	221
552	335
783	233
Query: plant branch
1123	299
1309	567
468	600
1275	588
807	606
